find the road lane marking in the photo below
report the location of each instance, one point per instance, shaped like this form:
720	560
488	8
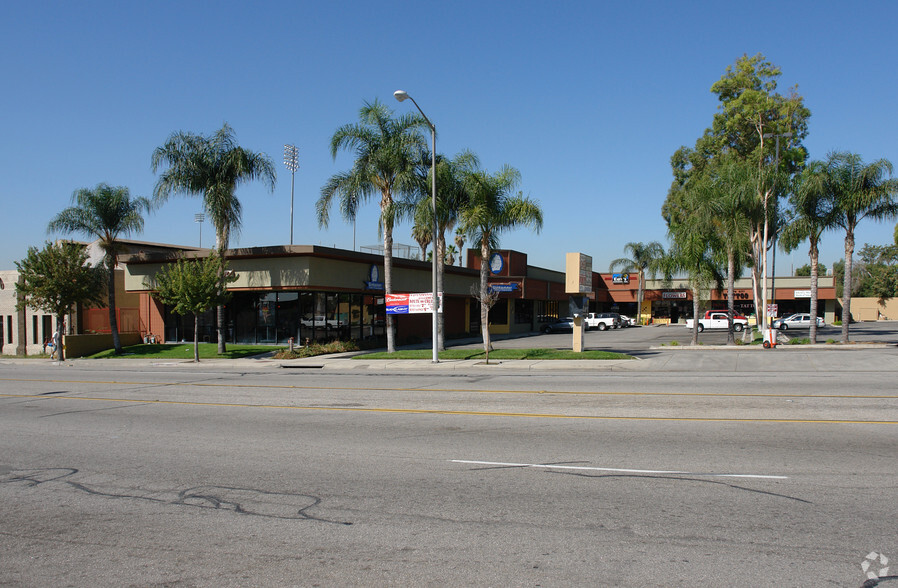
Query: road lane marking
616	470
465	390
146	402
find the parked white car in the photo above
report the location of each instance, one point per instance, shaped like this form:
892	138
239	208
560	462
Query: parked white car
802	320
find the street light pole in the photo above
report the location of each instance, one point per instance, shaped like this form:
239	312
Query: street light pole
401	95
291	160
775	233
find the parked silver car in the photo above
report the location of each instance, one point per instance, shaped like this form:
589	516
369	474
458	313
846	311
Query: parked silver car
562	325
802	320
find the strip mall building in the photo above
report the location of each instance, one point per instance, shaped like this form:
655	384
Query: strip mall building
314	293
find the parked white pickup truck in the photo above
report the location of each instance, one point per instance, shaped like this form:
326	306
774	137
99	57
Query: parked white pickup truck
602	321
715	319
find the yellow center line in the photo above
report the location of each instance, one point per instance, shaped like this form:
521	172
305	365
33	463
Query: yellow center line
463	390
453	412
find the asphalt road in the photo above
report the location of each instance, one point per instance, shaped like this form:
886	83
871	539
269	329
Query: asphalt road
237	474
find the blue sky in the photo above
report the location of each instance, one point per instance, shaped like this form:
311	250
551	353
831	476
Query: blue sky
587	99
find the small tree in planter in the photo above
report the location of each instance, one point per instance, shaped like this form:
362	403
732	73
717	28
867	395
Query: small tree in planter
193	286
57	278
487	300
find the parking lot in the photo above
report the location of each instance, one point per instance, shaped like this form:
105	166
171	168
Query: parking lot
637	340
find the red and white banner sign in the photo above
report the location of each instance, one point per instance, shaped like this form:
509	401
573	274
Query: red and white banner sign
415	303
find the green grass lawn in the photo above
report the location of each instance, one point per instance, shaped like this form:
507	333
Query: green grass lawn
495	354
185	351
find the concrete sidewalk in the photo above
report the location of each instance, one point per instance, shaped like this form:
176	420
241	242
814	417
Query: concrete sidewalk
748	359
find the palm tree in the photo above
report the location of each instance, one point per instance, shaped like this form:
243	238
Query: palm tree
460	243
387	149
643	257
422	234
212	168
812	214
451	252
492	210
861	190
693	251
725	199
451	198
106	213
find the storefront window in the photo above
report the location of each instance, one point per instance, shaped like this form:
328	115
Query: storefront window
355	316
287	316
523	312
265	328
499	312
546	311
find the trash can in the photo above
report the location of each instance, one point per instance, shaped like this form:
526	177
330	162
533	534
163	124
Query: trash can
769	338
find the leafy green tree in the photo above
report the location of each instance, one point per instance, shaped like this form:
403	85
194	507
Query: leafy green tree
722	201
387	150
107	213
812	213
697	243
839	276
192	286
211	167
751	116
642	258
862	191
56	278
490	211
805	270
880	275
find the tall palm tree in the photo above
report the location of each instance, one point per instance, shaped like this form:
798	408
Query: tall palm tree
813	213
490	211
862	191
212	167
642	258
725	198
451	199
387	149
693	251
107	213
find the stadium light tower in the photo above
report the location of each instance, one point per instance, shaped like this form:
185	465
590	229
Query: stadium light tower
291	160
199	218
